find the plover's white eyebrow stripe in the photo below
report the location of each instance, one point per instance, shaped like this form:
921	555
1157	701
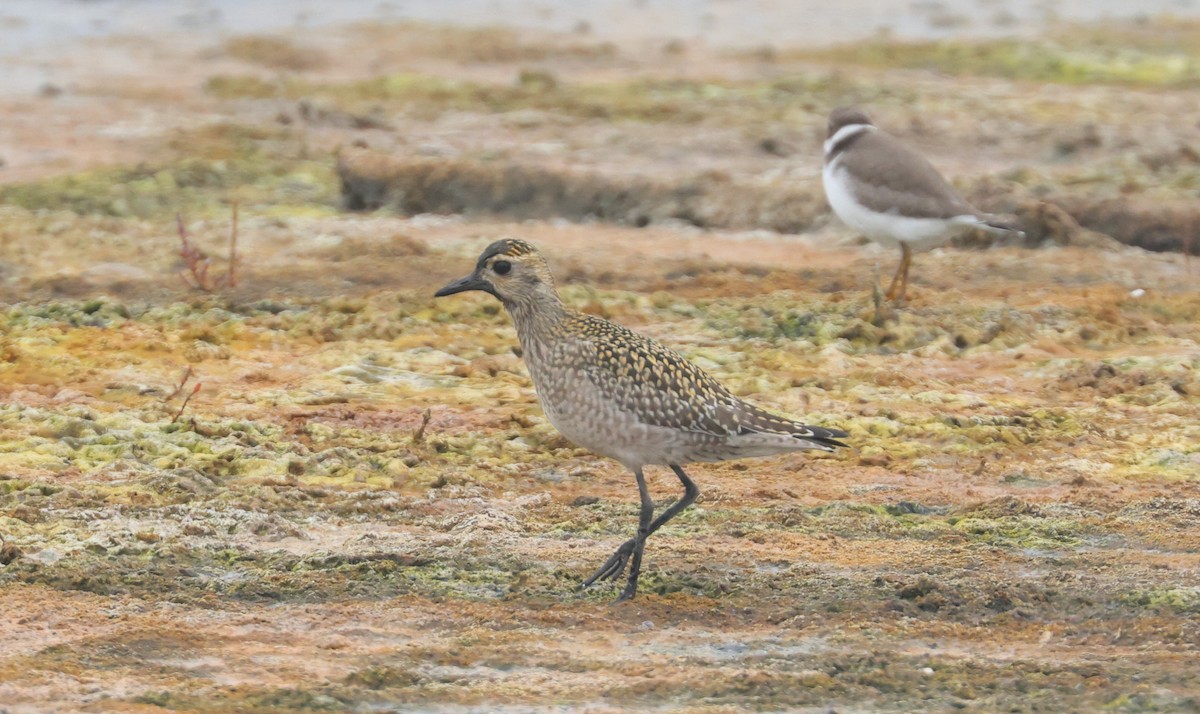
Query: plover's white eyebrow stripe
844	133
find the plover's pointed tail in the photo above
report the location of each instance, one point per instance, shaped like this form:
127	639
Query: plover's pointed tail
753	420
999	225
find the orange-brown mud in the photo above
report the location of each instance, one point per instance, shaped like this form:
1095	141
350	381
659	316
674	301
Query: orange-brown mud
1016	526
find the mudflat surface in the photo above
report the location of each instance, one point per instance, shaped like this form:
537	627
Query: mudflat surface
1015	527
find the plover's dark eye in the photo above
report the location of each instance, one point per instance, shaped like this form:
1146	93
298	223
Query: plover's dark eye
501	267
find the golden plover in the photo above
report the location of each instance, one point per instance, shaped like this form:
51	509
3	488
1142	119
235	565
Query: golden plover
884	189
626	396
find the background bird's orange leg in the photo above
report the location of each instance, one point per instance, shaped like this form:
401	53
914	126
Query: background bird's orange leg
891	291
904	263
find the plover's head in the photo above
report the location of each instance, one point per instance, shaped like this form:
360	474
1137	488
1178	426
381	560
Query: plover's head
846	126
843	117
510	269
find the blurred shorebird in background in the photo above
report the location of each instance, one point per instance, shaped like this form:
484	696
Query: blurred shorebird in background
885	190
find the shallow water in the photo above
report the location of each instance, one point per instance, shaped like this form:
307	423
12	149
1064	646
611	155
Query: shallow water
38	24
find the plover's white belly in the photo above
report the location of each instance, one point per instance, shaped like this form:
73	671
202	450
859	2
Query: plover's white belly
889	228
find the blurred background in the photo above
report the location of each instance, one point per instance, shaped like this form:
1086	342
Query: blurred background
32	24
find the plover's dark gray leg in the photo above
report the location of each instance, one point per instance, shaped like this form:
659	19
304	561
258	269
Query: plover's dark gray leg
645	519
615	565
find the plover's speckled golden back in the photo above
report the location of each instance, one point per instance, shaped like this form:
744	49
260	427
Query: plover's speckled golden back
624	395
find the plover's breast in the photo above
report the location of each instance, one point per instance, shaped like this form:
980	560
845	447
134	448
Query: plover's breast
590	416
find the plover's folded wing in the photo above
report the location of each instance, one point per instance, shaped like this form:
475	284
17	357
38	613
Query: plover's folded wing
887	176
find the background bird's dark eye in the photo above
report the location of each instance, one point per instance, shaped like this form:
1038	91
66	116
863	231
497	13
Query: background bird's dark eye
502	267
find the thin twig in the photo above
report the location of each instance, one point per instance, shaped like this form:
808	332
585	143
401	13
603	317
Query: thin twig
1193	227
187	399
419	434
195	261
187	374
230	278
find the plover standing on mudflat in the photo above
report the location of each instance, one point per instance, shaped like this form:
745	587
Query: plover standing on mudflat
626	396
884	189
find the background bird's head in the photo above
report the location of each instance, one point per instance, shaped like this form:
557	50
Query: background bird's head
846	116
510	269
